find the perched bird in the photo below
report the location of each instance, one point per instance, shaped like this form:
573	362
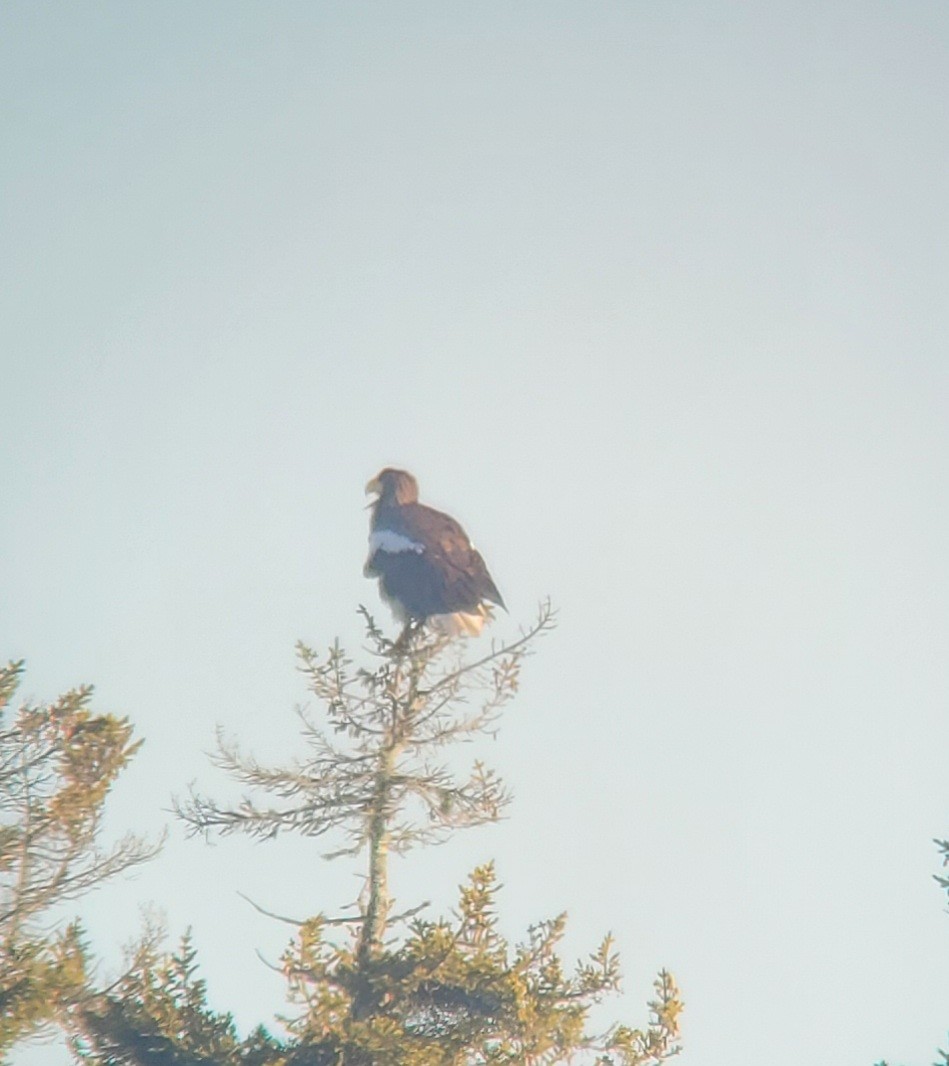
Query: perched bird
427	568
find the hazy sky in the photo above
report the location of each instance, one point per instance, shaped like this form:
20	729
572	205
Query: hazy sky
652	297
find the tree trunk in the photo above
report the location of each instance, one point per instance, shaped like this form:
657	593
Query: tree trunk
377	906
372	932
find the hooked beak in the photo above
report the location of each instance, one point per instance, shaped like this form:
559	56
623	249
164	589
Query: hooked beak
373	487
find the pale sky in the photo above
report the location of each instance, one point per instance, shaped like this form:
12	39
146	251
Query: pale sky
652	297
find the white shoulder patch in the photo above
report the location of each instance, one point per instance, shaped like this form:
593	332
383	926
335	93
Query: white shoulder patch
386	540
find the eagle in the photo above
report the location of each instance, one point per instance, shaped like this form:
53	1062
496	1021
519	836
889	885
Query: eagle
428	569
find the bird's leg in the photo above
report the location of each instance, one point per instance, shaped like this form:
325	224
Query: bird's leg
404	639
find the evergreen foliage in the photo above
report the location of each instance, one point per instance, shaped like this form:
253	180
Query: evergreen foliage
157	1015
57	766
372	987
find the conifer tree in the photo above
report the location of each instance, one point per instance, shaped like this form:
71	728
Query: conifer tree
374	987
58	763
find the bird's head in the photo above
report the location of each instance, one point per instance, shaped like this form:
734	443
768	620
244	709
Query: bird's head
394	487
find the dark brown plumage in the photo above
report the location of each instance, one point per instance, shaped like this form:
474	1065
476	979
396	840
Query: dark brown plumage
428	569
